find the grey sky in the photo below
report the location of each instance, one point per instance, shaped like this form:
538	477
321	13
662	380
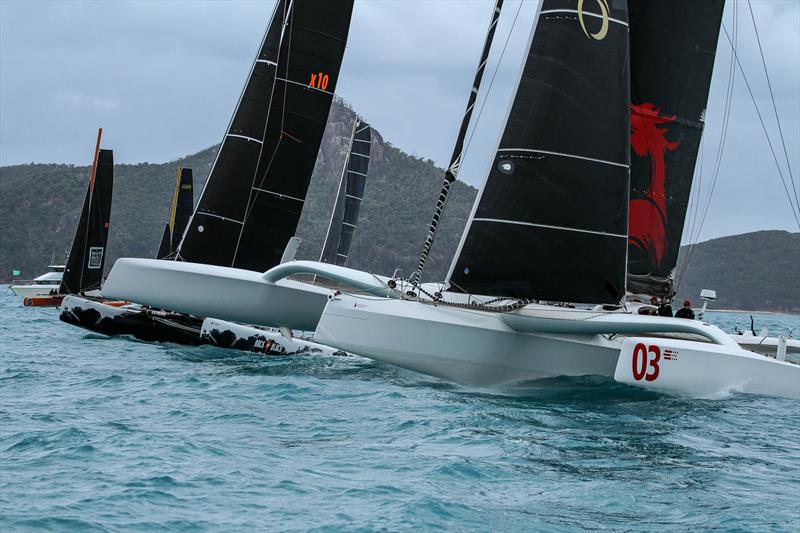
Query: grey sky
162	79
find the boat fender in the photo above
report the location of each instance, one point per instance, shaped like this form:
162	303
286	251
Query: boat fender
392	284
411	294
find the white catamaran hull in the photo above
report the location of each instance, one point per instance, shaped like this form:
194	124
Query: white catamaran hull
481	348
225	293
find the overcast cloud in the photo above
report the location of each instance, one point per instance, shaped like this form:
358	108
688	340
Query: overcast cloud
162	79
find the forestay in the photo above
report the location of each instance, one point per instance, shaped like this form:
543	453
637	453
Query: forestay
344	217
673	45
551	220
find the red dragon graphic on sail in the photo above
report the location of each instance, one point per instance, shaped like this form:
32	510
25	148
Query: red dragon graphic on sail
648	214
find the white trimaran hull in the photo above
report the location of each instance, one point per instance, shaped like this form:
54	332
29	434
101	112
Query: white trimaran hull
233	294
460	344
211	291
481	348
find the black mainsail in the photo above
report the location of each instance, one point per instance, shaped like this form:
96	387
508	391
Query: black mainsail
251	204
673	45
84	270
551	220
165	246
217	220
179	214
182	206
344	216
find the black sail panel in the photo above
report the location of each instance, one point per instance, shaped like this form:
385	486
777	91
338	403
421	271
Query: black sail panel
164	247
308	70
673	45
551	220
84	270
218	219
184	204
348	202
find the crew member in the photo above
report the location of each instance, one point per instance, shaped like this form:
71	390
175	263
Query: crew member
685	311
664	309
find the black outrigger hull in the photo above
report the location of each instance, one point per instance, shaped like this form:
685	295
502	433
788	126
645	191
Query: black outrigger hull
140	322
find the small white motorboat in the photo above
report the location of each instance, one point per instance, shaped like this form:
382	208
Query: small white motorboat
43	285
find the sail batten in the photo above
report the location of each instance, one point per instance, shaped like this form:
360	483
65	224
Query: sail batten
561	228
574	156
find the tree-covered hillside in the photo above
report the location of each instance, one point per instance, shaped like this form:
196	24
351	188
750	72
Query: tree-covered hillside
758	271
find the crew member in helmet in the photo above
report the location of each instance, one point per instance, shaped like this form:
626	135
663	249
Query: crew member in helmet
685	311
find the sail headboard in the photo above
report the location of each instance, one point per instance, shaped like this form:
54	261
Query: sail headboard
550	222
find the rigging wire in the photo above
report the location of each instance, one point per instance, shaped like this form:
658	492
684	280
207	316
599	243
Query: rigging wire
774	106
494	74
459	151
735	61
795	210
717	158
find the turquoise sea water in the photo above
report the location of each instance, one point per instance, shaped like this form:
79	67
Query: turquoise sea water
115	435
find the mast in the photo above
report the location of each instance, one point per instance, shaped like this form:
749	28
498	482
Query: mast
550	222
344	215
673	46
451	174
